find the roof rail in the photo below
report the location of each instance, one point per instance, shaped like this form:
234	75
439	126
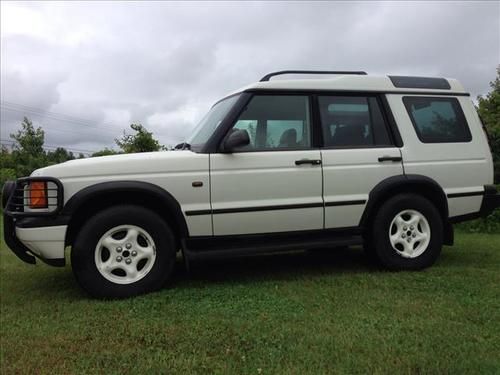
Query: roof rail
342	72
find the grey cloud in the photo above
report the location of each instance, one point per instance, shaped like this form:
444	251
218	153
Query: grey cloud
164	64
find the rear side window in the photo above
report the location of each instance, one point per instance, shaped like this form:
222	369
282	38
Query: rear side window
352	121
437	120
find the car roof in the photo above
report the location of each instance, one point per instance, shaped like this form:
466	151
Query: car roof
354	82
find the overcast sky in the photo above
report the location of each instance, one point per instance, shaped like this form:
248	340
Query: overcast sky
164	64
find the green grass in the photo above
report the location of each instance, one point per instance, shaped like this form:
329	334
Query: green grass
315	312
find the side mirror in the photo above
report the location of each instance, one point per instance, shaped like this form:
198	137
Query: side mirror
238	138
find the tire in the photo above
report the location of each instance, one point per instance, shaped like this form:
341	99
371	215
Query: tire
407	233
140	258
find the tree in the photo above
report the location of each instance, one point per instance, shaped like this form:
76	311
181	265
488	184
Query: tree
28	151
105	152
59	155
29	140
489	110
7	166
142	141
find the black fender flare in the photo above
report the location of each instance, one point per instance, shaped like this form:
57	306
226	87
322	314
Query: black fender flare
94	192
387	187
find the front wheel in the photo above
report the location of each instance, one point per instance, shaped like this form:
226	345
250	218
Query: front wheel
123	251
407	233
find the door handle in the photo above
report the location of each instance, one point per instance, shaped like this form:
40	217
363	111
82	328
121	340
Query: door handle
390	158
308	161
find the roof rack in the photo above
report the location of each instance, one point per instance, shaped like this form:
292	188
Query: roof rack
342	72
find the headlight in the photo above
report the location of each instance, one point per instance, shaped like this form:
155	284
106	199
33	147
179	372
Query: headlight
38	194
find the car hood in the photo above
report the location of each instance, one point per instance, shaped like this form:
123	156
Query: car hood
128	164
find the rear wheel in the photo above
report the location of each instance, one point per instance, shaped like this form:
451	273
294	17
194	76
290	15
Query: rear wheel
123	251
407	233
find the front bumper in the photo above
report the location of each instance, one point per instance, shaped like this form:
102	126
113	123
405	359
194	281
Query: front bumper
17	247
45	242
31	235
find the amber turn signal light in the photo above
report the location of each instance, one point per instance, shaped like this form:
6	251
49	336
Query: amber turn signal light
38	194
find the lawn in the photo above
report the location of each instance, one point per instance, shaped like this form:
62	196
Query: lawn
314	312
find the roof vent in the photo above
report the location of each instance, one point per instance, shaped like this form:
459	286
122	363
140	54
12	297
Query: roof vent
420	82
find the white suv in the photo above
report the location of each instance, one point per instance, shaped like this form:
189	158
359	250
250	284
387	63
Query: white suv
386	162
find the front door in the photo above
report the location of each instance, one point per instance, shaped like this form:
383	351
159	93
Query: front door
275	183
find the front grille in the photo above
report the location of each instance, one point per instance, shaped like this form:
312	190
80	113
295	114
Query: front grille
18	204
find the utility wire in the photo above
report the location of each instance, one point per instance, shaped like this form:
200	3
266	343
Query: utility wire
58	119
49	147
64	130
56	115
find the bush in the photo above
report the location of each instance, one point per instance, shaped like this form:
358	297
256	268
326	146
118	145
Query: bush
490	224
497	172
6	174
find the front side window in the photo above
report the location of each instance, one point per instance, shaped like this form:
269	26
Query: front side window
437	120
276	122
352	121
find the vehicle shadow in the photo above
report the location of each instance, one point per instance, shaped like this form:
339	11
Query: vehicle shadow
276	266
61	284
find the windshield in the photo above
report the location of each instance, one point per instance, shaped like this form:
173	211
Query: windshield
210	122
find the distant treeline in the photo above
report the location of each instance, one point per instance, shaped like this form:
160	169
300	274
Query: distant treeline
28	152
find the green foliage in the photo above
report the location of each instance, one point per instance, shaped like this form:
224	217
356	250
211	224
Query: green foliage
59	155
29	140
489	106
489	110
7	174
26	163
105	152
6	159
141	141
28	153
490	224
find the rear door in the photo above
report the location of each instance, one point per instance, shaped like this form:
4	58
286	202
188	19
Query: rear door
358	152
444	141
275	183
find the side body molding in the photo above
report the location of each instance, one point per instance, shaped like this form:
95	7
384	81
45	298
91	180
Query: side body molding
140	192
419	184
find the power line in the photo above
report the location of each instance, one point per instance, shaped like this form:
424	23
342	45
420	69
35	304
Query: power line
58	114
4	102
49	127
46	148
53	148
20	108
57	119
50	147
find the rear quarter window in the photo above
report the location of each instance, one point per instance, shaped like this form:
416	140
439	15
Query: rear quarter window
437	120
